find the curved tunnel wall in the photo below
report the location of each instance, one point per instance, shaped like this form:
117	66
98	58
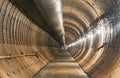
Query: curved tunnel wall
25	48
96	24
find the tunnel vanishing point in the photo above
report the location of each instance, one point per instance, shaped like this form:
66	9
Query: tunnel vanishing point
59	38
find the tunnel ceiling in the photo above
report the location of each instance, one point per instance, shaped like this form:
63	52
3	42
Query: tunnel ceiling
28	40
83	13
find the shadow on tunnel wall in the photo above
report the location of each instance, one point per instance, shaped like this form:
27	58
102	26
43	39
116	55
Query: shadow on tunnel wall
28	8
16	39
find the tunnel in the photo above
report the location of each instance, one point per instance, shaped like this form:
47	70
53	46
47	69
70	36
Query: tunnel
59	38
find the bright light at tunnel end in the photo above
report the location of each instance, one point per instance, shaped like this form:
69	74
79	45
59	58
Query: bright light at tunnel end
64	47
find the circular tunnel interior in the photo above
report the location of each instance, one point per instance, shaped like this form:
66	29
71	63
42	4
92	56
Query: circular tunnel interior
28	43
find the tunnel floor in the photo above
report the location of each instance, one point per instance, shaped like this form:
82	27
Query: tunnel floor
62	66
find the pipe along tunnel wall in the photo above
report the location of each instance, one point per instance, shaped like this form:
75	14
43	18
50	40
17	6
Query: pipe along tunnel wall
92	32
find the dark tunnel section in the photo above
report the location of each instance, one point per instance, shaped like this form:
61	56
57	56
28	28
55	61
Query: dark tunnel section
30	10
28	44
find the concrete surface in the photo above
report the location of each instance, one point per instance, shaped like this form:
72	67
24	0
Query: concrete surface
63	66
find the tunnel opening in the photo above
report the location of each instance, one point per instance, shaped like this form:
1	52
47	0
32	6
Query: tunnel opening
81	39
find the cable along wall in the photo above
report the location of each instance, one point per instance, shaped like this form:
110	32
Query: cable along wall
21	54
25	48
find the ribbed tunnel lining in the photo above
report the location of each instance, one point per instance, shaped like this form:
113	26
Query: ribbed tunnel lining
22	37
